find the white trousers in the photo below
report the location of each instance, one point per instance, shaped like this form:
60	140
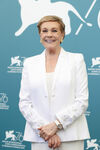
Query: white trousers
73	145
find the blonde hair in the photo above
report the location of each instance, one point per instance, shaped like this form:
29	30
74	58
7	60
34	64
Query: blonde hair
52	19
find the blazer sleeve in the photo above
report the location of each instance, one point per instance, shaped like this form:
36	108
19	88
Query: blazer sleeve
25	105
72	112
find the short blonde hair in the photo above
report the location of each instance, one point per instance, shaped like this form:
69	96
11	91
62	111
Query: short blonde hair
52	19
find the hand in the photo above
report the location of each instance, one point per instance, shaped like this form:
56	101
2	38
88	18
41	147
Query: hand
54	141
48	130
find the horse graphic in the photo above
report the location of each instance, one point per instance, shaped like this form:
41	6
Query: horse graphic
33	10
95	61
10	134
92	143
15	60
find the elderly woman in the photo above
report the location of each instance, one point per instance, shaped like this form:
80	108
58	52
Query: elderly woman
54	93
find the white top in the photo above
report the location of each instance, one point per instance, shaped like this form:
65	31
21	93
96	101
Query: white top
49	81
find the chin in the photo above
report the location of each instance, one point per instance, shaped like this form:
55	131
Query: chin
50	46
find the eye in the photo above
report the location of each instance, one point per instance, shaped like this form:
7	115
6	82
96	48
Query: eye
54	30
45	30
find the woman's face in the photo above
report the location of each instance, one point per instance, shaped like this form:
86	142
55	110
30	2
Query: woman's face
51	35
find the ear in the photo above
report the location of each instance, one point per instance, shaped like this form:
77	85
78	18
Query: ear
63	35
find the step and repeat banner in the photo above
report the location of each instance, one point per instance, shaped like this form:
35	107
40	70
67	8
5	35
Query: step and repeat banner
19	39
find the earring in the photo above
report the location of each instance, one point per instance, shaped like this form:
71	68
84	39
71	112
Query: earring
61	40
40	41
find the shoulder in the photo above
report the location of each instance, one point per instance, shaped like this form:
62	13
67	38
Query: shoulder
75	56
32	60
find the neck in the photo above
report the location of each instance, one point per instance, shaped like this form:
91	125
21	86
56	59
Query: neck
53	52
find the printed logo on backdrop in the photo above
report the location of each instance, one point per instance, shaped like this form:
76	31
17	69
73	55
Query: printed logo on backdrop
93	144
16	64
4	101
94	68
33	10
13	139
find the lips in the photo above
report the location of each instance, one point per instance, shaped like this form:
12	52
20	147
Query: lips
49	40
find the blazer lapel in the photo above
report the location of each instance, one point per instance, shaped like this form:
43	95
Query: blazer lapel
43	69
58	67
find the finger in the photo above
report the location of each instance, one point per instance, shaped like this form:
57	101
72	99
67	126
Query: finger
59	143
43	136
49	143
47	138
52	141
39	128
55	143
42	132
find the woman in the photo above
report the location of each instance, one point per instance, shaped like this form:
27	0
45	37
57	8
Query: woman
54	93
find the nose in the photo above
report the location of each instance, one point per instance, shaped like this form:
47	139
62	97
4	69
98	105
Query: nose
49	34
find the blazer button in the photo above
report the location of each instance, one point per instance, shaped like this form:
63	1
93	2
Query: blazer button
45	96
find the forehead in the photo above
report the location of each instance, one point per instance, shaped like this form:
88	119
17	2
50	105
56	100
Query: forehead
50	24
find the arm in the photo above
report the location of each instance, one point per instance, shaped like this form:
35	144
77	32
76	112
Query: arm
74	111
25	105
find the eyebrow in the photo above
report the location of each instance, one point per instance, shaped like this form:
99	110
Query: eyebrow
44	28
51	28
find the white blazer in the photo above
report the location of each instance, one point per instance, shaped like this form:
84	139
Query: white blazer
69	96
